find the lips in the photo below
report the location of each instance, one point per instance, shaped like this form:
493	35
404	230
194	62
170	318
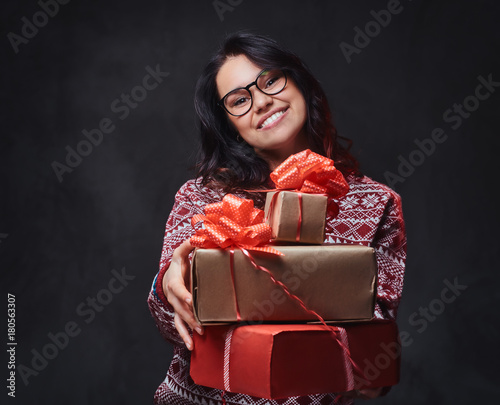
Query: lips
270	117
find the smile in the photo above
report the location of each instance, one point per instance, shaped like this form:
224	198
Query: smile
272	119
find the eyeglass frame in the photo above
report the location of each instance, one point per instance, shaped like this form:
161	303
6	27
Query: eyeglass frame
221	103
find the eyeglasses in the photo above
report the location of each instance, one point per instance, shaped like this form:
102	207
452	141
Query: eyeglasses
239	101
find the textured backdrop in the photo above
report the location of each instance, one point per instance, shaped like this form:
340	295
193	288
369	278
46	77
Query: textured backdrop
98	132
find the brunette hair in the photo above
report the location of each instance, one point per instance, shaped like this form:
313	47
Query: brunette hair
230	164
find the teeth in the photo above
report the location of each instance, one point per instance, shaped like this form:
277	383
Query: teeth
272	118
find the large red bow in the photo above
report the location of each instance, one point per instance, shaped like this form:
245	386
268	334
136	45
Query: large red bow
308	172
233	222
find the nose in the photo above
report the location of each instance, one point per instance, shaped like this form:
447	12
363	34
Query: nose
260	100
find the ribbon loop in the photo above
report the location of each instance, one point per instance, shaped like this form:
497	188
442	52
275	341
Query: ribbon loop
309	172
233	222
214	209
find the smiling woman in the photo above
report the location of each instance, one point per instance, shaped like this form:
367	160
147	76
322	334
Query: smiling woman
258	104
269	120
226	160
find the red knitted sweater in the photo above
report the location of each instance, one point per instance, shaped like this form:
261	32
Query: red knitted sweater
370	214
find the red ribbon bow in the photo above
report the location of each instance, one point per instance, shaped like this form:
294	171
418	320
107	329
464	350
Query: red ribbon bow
233	222
308	172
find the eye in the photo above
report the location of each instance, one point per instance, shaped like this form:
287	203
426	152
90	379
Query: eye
272	80
239	101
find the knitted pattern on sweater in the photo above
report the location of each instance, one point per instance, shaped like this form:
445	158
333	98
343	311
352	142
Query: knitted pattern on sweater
370	214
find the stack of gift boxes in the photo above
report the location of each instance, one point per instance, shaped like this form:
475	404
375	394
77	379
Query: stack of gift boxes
292	317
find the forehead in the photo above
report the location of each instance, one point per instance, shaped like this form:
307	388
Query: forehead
237	71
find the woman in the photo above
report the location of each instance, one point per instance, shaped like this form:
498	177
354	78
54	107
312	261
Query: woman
258	104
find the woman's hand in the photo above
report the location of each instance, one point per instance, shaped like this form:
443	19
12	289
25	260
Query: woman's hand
174	287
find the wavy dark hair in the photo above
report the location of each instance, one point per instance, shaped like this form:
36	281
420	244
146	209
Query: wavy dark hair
230	164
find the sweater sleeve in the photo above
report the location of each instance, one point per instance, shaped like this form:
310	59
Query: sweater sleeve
390	246
177	230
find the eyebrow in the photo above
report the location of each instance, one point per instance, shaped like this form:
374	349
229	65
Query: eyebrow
244	86
240	87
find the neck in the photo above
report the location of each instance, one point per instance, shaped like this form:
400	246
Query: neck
275	157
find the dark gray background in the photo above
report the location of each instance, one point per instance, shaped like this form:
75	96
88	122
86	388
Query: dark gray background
60	241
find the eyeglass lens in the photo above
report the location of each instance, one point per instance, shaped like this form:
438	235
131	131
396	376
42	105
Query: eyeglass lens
239	101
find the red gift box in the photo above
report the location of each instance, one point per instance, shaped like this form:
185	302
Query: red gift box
278	361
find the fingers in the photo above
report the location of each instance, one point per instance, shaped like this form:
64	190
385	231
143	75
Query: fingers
174	286
183	250
183	319
176	292
182	302
183	331
180	260
174	280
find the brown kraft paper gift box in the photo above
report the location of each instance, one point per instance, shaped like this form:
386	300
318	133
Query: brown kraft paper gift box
336	281
284	215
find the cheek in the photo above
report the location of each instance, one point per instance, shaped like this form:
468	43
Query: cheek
241	124
302	109
300	104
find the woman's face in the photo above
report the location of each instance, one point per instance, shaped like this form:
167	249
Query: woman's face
273	140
